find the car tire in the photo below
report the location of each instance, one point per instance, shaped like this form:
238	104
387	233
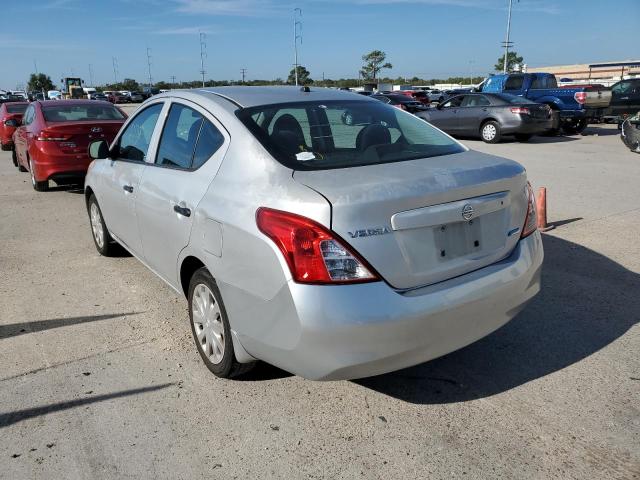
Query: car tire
578	126
37	186
490	132
523	137
210	327
102	239
14	157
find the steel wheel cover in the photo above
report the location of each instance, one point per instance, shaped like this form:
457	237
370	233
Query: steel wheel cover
96	225
489	131
207	323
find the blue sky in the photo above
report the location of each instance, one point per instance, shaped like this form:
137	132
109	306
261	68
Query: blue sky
427	38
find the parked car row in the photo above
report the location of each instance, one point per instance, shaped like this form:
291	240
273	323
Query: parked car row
338	263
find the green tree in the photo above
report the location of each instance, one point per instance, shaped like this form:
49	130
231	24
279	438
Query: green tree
374	63
512	60
130	84
303	76
39	82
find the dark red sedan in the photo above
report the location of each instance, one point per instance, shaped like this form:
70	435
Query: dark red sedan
54	136
10	111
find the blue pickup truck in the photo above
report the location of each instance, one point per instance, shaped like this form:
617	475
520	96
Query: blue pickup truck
576	106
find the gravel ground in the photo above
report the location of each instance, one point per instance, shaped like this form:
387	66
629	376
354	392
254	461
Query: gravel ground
100	379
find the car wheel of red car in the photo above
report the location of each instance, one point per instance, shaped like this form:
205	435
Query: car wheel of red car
37	186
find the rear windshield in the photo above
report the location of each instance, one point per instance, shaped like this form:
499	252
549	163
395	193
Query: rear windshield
337	134
19	108
512	98
79	113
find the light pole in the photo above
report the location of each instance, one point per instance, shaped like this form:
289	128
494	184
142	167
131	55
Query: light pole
470	72
149	66
243	71
203	54
297	35
114	61
507	43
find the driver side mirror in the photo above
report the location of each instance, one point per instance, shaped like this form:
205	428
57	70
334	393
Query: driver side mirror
12	122
99	149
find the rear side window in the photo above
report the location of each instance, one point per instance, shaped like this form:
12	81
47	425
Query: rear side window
135	140
514	82
544	81
209	141
475	101
20	108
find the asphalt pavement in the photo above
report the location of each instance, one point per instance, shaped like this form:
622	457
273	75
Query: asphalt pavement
100	378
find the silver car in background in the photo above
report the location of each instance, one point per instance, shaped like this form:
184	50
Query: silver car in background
328	249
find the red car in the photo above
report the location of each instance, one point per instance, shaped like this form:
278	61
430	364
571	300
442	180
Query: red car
10	111
54	136
418	95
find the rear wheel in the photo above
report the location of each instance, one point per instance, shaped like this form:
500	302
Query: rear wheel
490	132
210	327
523	137
37	186
575	126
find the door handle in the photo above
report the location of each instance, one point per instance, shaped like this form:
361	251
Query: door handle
184	211
127	188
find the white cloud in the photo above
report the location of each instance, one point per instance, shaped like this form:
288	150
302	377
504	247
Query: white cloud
244	8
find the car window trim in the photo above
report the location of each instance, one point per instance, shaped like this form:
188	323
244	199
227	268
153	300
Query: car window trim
206	114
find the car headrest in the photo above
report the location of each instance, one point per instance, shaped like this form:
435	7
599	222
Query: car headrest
288	123
374	134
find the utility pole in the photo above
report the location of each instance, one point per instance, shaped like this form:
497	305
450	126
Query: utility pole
506	44
114	61
297	35
90	75
173	80
243	71
203	54
149	66
470	72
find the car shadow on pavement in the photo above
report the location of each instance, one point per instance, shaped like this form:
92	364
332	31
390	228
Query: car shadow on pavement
9	418
71	188
602	132
23	328
587	301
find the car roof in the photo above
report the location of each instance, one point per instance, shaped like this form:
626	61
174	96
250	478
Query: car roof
246	96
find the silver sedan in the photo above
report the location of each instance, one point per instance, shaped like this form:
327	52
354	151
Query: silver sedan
330	249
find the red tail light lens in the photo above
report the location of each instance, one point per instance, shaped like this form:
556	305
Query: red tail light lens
47	136
580	97
531	219
520	110
313	253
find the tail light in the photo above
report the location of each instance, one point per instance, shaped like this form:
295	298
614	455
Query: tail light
520	110
580	97
530	220
314	254
47	136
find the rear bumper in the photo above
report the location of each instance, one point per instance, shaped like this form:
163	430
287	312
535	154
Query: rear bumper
343	332
57	166
528	126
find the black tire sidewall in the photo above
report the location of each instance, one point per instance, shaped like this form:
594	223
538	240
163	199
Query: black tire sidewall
225	368
107	247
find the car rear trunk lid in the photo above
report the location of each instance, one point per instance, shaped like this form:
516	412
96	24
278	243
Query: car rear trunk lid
423	221
78	135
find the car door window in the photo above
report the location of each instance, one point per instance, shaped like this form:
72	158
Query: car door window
134	141
179	137
475	101
514	83
454	102
209	141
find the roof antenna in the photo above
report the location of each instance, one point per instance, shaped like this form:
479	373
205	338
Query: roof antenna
305	89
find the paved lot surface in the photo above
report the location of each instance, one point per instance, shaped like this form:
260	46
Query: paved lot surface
100	379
